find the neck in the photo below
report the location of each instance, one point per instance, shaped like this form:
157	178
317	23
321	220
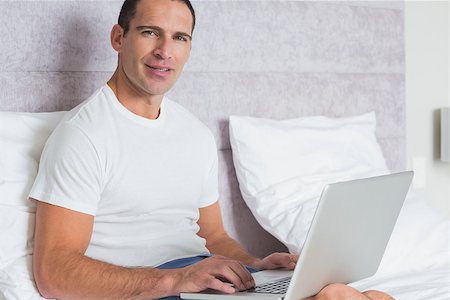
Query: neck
147	106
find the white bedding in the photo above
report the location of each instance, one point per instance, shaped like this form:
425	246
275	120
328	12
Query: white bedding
419	271
282	167
427	284
420	285
416	264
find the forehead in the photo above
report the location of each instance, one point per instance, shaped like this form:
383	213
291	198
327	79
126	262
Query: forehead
163	13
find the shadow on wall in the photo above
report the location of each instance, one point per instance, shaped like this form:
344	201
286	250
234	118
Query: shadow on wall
239	220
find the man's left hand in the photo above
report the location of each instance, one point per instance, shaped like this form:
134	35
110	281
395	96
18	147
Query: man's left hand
276	261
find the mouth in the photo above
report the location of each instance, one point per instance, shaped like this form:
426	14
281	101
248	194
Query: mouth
159	68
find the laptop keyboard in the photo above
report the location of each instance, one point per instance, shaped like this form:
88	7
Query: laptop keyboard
279	286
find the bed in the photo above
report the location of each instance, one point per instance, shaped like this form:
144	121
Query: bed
333	69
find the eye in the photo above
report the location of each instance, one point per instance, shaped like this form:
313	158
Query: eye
181	38
149	33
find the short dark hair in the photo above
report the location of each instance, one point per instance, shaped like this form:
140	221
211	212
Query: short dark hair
128	11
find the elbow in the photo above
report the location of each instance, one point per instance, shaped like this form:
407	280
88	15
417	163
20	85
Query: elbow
42	278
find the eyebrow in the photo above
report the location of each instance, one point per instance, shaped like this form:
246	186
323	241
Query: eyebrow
157	28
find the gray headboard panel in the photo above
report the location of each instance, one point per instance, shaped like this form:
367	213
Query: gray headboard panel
275	59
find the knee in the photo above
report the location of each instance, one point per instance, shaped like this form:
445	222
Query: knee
337	291
377	295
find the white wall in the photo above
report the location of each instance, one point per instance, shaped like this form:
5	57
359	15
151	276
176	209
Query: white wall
427	90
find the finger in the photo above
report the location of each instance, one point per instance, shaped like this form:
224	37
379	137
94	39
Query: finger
282	260
290	261
235	273
291	266
294	257
244	275
293	262
279	259
240	270
219	285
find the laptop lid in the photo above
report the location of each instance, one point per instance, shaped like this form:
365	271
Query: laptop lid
349	232
347	238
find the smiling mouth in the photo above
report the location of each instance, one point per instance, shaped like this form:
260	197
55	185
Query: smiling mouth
159	69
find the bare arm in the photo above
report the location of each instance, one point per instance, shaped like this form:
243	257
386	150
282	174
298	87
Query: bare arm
62	270
217	239
219	242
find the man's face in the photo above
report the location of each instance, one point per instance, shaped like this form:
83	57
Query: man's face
156	46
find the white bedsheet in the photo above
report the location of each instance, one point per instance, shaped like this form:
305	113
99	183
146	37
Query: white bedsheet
416	264
426	284
434	283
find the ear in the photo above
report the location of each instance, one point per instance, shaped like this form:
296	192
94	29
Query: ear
116	37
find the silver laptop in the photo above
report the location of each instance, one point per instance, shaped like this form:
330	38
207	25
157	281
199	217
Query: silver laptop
345	243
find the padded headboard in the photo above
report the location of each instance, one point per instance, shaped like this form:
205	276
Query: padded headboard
275	59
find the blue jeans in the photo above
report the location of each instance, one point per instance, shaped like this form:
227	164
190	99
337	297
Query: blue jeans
184	262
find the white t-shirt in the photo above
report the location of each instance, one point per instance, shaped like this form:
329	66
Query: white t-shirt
142	179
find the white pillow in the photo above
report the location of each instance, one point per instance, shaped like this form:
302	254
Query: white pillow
17	281
22	138
282	166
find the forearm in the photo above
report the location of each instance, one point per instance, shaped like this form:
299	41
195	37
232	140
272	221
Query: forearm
68	274
230	248
217	239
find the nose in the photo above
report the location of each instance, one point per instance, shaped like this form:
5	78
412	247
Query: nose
163	49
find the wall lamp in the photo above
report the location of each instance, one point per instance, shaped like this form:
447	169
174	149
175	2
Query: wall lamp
445	134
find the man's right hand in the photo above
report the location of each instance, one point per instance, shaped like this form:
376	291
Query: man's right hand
216	272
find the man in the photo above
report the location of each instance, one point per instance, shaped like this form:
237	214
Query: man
128	181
